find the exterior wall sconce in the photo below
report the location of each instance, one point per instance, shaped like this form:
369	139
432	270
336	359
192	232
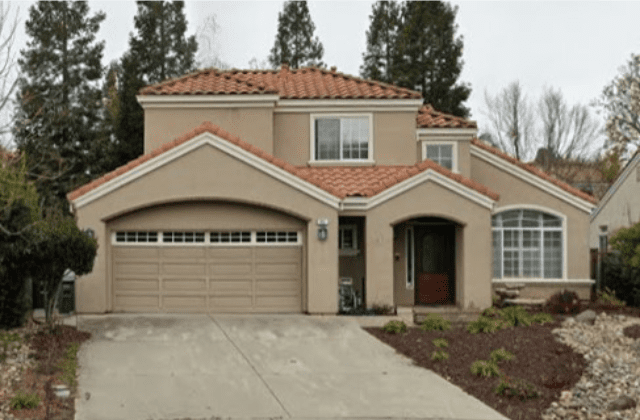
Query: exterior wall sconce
323	232
90	233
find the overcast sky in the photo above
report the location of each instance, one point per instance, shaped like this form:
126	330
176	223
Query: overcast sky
577	47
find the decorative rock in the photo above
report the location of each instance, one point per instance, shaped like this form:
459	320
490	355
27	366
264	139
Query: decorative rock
622	403
586	317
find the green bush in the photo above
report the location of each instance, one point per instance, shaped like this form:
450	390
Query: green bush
564	302
439	356
500	355
434	322
485	325
491	312
626	242
440	342
485	369
542	318
395	327
22	400
608	297
515	387
516	316
621	278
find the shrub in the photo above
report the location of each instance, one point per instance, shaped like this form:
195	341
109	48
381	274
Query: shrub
542	318
439	355
626	241
434	322
500	355
491	312
564	302
515	387
440	342
395	327
485	325
485	369
621	278
608	297
516	316
22	400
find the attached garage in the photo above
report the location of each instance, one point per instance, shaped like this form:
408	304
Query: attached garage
210	267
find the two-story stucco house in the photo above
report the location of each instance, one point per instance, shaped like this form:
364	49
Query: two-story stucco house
259	190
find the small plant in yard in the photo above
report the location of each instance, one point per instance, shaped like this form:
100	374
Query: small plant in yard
492	312
542	318
440	342
500	355
22	400
6	338
69	365
565	302
439	355
434	322
608	297
395	327
485	325
485	368
515	387
516	316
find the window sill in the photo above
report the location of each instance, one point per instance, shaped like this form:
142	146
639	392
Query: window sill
543	281
341	163
349	252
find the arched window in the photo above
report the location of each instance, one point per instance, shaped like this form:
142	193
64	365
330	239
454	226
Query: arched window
527	243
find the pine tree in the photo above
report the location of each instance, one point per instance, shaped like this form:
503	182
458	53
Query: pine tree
59	99
429	56
294	42
159	50
381	40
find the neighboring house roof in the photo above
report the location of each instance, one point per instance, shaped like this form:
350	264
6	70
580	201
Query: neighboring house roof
303	83
428	117
624	174
340	182
532	169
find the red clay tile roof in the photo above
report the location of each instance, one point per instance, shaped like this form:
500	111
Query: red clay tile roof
338	181
430	118
304	83
532	169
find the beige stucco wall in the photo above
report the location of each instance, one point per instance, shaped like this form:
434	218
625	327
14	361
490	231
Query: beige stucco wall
515	192
177	182
622	209
394	136
473	268
253	125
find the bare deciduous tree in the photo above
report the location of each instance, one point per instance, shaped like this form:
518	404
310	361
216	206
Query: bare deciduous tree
208	48
8	77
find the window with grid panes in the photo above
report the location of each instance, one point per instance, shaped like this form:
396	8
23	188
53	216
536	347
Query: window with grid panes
342	138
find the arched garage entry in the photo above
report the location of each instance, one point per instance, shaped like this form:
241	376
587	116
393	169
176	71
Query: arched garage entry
205	256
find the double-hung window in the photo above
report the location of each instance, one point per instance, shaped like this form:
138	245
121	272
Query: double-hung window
441	153
342	138
527	244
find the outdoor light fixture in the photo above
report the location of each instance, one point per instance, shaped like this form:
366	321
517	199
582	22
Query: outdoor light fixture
90	233
322	229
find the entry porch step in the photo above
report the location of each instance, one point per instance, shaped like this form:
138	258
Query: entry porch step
450	313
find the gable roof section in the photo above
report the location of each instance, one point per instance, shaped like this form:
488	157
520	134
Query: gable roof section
629	167
339	182
303	83
428	117
587	201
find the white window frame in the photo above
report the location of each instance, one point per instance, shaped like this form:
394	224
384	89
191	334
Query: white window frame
409	249
454	152
207	240
354	232
312	140
562	229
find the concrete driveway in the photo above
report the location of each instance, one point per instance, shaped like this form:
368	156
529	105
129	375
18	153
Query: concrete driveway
200	366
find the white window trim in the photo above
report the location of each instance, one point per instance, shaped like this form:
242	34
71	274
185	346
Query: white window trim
564	230
312	140
349	252
454	151
409	247
207	239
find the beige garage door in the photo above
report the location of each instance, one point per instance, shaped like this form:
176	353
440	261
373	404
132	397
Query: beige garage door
249	272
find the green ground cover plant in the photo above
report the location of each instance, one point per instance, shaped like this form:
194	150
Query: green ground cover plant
439	355
23	400
485	368
435	322
440	342
395	327
516	387
501	355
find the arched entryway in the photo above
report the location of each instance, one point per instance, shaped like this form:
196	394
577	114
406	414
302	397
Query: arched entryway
426	261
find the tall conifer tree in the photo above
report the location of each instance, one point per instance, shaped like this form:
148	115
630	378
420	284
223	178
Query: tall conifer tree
429	55
382	37
59	99
294	42
159	50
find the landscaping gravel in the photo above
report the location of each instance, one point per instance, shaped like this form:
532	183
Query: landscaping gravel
610	385
19	358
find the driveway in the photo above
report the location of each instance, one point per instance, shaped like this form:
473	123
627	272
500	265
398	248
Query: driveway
201	366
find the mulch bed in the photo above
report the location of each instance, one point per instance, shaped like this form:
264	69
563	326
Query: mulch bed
551	366
50	351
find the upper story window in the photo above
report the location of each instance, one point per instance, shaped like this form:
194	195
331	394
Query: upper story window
444	154
342	138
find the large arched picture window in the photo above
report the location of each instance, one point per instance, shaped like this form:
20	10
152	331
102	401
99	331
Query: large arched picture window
527	244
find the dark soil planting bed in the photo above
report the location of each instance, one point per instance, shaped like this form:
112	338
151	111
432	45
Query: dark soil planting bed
539	359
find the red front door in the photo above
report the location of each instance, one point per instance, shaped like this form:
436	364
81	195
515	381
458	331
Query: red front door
435	257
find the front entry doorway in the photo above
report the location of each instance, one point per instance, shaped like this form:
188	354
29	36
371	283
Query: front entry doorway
435	263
